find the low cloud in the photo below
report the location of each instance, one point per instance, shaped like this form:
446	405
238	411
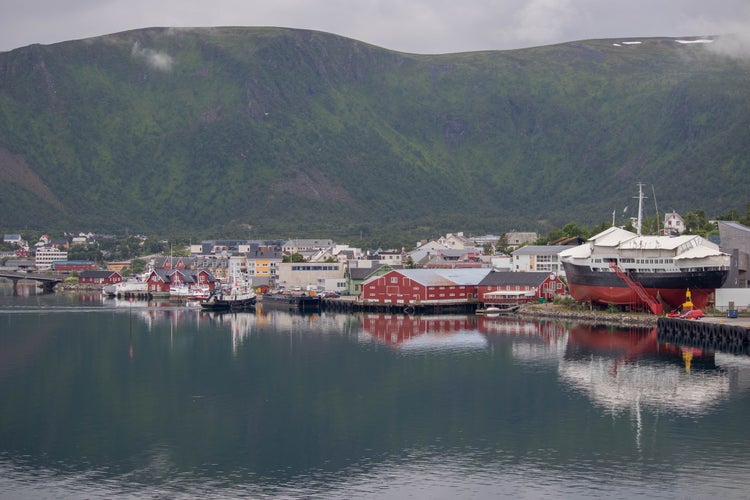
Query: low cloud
736	46
155	59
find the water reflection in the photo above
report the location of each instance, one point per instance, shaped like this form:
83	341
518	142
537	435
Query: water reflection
419	334
239	324
22	289
160	400
627	369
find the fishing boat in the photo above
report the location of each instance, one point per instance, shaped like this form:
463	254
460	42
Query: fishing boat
236	297
620	267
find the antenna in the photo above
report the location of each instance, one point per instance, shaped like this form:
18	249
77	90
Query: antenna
656	207
639	221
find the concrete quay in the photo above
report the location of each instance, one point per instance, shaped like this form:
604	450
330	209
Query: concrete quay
713	333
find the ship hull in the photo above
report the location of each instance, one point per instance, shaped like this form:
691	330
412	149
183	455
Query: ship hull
670	288
288	301
228	305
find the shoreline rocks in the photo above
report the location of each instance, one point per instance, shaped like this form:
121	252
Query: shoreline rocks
596	317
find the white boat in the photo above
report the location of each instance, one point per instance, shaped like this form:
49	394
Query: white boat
236	296
199	292
179	292
126	288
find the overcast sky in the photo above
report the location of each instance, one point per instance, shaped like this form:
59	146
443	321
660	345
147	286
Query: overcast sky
417	26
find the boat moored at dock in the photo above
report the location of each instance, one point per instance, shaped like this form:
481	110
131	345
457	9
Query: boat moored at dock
128	288
289	300
233	299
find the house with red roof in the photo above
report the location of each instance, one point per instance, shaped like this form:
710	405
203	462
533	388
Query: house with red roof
97	277
162	280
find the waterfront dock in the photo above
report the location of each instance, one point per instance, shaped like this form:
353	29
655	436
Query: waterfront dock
354	304
711	332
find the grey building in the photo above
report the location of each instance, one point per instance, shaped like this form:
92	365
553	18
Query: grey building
735	240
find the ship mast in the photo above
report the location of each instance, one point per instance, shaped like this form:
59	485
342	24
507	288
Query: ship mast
639	221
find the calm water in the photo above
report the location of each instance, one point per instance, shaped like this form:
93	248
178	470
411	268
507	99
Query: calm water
103	398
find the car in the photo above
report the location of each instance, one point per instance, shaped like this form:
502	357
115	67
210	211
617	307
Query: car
693	314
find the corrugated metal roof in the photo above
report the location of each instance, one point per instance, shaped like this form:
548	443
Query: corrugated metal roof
509	278
446	277
735	225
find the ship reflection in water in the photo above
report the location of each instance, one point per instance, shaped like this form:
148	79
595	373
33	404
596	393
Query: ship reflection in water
619	369
629	369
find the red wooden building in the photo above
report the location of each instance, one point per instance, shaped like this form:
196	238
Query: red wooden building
161	280
519	287
74	265
172	263
99	277
423	286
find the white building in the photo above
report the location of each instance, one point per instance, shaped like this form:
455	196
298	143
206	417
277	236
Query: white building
502	262
308	245
456	241
45	256
673	223
390	257
308	274
13	239
539	258
516	239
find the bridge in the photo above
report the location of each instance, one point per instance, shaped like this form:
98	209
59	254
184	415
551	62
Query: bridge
47	281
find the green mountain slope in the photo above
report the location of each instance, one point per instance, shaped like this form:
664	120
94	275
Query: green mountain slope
295	133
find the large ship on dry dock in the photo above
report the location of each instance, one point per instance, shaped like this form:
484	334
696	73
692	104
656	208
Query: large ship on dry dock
624	268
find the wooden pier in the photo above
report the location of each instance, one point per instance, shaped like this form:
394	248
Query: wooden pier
353	304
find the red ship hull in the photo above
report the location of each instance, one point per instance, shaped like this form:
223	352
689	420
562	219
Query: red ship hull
625	296
586	285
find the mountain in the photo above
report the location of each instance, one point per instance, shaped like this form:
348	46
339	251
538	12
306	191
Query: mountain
272	132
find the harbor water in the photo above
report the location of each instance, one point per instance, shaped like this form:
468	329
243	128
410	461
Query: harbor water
104	398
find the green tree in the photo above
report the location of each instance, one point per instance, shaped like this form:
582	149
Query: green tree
295	257
503	244
153	246
137	266
85	253
697	222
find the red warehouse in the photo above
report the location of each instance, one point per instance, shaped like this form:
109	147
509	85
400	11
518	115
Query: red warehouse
424	286
74	265
99	277
519	287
